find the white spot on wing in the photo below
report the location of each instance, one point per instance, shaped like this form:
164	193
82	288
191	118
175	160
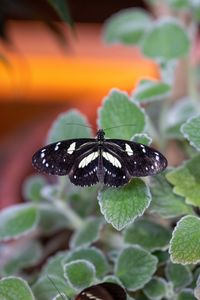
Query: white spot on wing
86	160
57	146
112	159
71	148
47	165
143	150
44	160
128	150
42	155
157	157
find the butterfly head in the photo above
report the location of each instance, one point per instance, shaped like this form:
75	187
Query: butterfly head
100	135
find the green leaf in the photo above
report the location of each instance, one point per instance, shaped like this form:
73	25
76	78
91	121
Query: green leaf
32	188
179	275
23	255
149	235
121	206
69	125
62	9
190	130
162	256
88	234
164	202
185	242
60	296
54	265
93	255
17	220
51	220
127	26
166	40
186	180
47	287
135	267
15	288
150	90
80	273
142	138
119	112
112	279
186	294
156	289
178	114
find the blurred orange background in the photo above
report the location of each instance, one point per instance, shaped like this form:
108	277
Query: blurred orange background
39	79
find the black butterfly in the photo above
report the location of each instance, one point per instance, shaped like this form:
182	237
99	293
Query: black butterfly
103	291
112	162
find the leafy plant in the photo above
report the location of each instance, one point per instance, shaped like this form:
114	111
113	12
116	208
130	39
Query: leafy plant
144	236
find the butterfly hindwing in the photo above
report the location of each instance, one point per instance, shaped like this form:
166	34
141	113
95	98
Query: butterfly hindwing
58	158
84	170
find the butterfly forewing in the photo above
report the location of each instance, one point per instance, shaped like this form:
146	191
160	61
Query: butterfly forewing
59	158
137	159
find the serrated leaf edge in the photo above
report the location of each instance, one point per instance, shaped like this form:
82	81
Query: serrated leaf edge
171	241
186	136
23	281
119	228
89	265
18	207
140	248
74	236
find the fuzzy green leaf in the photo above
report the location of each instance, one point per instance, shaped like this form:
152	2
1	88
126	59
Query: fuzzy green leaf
147	234
51	220
54	265
47	287
179	275
178	114
32	188
135	267
191	131
113	279
126	26
64	127
149	90
186	294
80	273
15	288
120	207
119	112
24	255
164	202
185	242
186	180
156	289
60	296
162	256
93	255
17	220
88	234
166	40
142	138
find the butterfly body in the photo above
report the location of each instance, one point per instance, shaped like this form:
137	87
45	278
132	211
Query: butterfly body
112	162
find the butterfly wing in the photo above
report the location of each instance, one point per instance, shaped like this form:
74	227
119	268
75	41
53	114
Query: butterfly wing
59	158
135	160
84	169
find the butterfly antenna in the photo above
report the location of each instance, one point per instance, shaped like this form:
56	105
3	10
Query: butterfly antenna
83	125
55	287
108	128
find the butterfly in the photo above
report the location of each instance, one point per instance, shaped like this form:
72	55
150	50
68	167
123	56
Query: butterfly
112	162
102	291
